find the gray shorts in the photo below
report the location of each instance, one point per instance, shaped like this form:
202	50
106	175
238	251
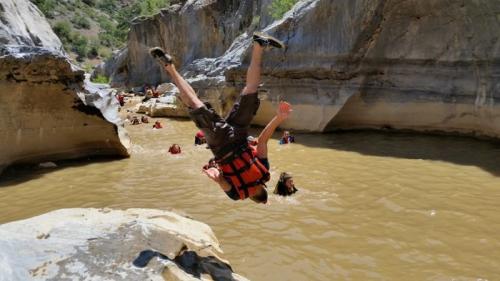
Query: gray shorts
225	134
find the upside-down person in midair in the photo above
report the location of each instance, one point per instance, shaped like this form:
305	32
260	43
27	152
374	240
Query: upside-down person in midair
242	169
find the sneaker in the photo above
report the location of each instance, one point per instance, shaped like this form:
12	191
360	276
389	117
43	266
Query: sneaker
266	40
160	56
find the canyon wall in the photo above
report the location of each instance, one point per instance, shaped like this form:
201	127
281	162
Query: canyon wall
416	65
191	30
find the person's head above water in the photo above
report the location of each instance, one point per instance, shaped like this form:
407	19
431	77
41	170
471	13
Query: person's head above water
287	180
285	185
174	149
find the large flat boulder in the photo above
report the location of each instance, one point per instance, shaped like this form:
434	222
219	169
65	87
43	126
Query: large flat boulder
104	244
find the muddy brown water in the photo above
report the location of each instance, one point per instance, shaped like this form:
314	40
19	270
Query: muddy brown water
370	206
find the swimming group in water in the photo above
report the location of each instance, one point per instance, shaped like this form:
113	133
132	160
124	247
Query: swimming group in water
240	165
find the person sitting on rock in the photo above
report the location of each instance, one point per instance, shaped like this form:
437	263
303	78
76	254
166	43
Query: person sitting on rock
174	149
157	125
135	121
144	119
287	138
242	169
199	138
285	185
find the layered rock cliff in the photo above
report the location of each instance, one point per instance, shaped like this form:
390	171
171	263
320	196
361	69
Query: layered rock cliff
48	112
192	30
103	244
418	65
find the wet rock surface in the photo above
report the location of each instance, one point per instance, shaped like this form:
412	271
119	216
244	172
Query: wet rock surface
104	244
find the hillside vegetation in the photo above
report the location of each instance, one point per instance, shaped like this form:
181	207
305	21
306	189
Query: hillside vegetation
91	29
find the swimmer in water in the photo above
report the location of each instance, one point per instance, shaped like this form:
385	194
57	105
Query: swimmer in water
285	185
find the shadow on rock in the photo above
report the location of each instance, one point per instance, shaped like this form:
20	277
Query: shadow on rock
191	263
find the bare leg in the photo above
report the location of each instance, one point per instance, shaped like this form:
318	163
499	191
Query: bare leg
187	93
253	72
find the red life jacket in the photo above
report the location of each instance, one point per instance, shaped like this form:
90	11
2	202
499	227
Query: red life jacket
244	172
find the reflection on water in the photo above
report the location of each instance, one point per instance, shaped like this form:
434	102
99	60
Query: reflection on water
370	206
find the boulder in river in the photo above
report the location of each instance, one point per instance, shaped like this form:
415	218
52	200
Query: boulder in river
104	244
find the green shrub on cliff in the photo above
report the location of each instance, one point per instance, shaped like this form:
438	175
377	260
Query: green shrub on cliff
63	31
151	7
107	23
80	46
115	27
81	22
47	7
279	7
101	79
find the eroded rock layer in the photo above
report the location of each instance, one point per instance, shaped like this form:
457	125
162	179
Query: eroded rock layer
104	244
416	65
49	114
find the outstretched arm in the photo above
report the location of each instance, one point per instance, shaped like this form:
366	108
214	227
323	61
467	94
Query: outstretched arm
215	175
284	110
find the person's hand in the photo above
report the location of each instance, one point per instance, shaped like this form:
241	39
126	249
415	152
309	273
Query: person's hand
284	110
213	173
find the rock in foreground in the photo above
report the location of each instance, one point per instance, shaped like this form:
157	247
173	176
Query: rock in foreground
102	244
